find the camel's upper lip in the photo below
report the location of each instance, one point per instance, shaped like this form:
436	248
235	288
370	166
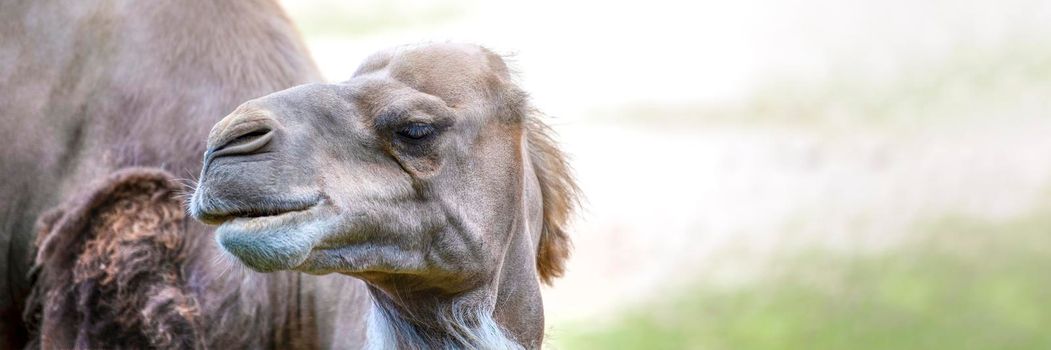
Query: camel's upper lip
219	213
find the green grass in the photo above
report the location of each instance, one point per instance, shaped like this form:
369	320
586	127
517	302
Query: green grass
959	283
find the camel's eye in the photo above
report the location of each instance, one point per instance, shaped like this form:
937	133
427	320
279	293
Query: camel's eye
416	131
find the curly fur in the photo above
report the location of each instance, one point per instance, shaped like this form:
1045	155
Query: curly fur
121	287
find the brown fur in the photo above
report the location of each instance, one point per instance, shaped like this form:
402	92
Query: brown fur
560	198
88	88
110	269
558	188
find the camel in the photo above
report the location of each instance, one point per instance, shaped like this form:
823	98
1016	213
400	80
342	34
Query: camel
427	175
103	102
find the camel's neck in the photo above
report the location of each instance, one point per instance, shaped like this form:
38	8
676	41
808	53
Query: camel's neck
507	313
457	324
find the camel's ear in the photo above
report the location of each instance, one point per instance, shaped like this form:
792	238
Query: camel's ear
559	192
108	268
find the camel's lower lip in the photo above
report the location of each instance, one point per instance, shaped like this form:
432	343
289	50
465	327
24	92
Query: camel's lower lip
275	242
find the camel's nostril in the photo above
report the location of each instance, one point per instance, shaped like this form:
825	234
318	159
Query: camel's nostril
246	138
247	143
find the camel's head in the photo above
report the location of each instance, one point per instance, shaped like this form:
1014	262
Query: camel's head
426	167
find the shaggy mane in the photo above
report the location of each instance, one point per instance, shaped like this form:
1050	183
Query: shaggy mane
560	197
456	326
558	188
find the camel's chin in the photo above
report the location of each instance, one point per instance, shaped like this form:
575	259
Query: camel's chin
277	242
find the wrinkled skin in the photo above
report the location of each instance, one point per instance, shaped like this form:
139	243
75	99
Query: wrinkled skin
418	175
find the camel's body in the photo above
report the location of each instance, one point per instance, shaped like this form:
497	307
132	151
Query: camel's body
87	88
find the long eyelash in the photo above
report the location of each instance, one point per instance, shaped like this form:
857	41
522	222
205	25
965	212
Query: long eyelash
416	130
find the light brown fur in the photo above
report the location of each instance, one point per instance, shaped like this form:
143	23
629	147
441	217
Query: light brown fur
559	192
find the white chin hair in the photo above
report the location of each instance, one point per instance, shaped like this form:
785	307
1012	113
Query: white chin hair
273	243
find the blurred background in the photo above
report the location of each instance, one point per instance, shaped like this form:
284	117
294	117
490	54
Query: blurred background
760	174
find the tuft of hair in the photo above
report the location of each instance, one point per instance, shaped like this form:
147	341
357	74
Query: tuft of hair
558	189
560	196
457	327
108	268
